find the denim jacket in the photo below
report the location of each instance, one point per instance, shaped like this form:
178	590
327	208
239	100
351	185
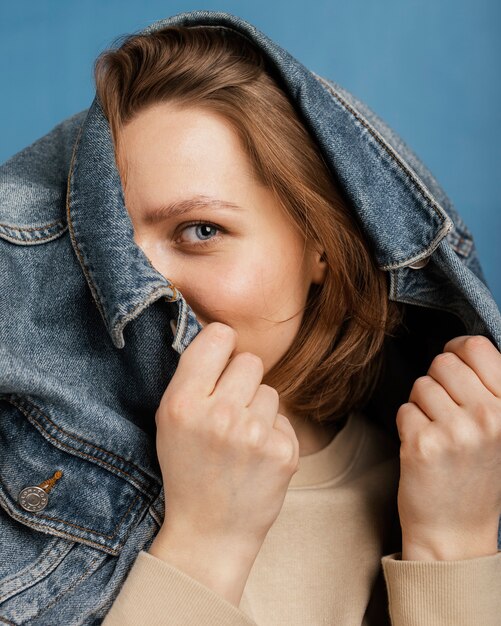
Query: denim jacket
87	350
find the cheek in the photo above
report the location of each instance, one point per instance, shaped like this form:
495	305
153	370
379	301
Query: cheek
228	293
254	294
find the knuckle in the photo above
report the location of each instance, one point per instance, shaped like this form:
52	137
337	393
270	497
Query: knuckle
221	420
426	448
286	455
477	342
403	416
179	405
444	360
255	434
422	383
404	411
463	438
488	418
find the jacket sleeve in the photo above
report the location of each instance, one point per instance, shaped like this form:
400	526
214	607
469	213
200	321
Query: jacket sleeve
158	594
443	593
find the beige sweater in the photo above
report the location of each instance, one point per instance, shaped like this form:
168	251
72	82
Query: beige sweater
331	558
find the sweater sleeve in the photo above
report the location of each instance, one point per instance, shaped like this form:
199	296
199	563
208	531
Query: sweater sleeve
443	593
158	594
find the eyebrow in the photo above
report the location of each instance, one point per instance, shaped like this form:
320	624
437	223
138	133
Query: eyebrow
177	208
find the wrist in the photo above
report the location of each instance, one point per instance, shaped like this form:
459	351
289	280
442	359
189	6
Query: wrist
449	545
221	565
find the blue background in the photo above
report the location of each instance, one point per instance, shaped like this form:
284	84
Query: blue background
429	68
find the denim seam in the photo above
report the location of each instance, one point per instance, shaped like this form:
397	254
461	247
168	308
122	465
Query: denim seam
461	243
84	528
28	411
422	254
447	223
64	534
127	317
43	559
31	242
93	287
375	134
37	228
69	589
153	513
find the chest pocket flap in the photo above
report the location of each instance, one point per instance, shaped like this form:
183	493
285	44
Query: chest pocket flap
73	494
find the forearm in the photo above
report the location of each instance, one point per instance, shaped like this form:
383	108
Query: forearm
221	566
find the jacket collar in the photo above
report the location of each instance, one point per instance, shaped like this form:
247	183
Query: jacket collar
121	278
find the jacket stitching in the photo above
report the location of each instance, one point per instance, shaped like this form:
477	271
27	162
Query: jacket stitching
44	560
422	254
384	145
64	445
126	318
42	557
88	274
12	227
70	588
91	283
39	426
31	241
90	530
64	535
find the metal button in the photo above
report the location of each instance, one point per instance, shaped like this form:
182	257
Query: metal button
33	499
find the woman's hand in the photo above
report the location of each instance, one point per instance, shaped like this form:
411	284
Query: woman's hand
226	454
449	496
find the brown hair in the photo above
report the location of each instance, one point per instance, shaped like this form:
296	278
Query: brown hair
332	366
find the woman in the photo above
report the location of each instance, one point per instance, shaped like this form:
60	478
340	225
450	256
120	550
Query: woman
267	419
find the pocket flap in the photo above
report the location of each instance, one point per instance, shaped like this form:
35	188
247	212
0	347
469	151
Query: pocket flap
84	501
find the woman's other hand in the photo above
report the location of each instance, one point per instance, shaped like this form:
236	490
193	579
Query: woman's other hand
449	496
226	454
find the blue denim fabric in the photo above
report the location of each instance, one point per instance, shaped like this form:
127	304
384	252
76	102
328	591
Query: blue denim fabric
86	347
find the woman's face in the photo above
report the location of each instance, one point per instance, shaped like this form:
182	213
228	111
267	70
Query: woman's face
244	265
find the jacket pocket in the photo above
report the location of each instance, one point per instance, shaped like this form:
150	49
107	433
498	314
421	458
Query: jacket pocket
62	519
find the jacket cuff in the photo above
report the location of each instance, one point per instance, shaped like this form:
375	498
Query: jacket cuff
443	593
156	593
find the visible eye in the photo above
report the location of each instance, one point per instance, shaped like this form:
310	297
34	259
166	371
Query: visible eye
203	233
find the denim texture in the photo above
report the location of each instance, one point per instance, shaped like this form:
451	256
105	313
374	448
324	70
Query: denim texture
87	350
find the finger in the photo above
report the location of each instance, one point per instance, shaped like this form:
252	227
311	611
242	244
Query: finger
204	360
410	420
265	405
283	425
241	378
433	399
482	356
458	379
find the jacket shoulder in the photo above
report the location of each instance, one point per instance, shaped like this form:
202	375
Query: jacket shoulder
33	186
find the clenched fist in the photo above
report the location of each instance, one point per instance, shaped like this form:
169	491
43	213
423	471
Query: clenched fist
449	496
226	454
